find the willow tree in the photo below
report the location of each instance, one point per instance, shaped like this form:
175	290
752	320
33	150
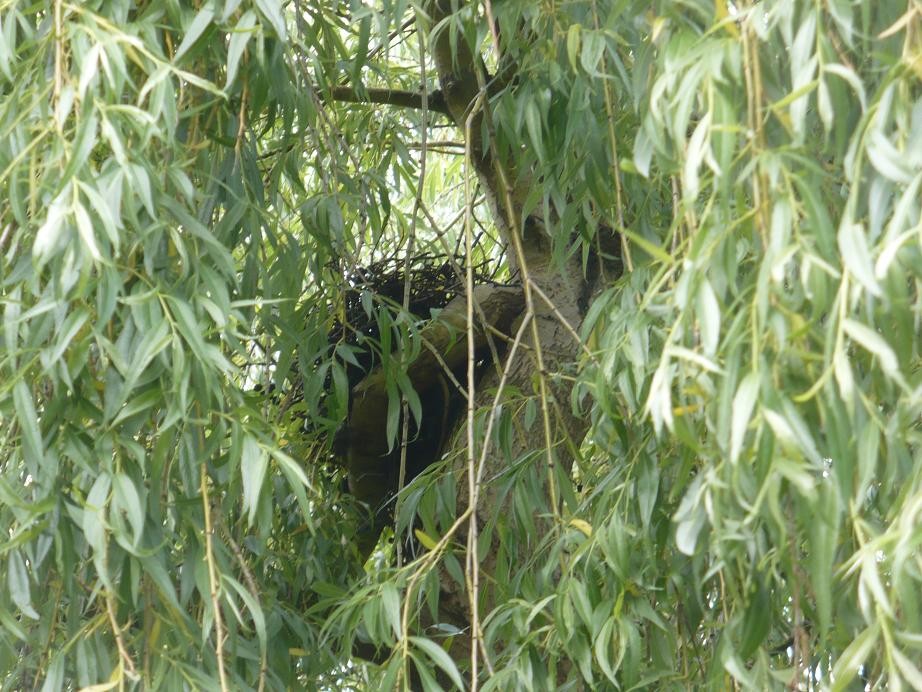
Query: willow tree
671	255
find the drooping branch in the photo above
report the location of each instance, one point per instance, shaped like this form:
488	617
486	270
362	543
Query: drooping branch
435	101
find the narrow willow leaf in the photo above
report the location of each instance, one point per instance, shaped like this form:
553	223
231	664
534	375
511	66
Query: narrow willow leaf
360	52
756	622
18	582
849	76
86	231
202	21
643	153
694	155
582	526
49	233
824	105
7	44
857	256
237	44
428	542
190	329
708	310
252	604
868	457
54	677
573	46
843	373
696	358
659	401
272	11
127	499
104	212
195	80
32	447
690	518
440	657
95	528
89	68
875	343
743	403
901	219
871	592
533	124
591	53
390	599
801	432
253	464
654	251
846	667
887	159
909	670
140	183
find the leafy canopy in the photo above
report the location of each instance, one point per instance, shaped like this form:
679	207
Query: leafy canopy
187	187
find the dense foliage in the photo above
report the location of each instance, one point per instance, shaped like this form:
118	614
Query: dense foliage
189	190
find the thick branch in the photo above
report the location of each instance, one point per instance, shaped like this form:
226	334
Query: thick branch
454	61
370	461
392	97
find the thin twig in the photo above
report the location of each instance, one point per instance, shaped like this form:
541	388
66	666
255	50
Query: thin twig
411	241
213	580
119	641
471	561
254	591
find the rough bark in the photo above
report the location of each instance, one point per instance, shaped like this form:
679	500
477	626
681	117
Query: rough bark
555	295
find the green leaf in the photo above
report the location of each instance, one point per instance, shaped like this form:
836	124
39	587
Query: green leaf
889	162
591	54
237	45
54	678
907	668
438	656
424	538
857	256
855	654
50	232
253	464
202	21
743	402
875	343
708	311
272	11
533	123
297	479
73	323
7	44
390	599
28	422
127	499
252	604
756	622
573	45
18	582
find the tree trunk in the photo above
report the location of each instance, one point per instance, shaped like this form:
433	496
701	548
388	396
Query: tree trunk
556	299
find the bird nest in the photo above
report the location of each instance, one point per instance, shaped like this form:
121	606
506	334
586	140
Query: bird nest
434	281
